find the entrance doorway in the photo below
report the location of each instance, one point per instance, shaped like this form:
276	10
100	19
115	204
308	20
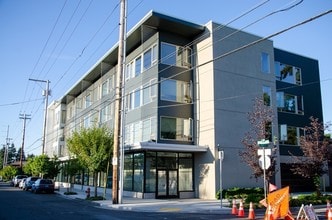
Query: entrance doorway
167	184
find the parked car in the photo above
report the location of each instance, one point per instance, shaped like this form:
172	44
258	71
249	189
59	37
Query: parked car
17	179
27	184
43	185
20	185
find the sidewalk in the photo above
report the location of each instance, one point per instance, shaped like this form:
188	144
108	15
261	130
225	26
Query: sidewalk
154	205
166	205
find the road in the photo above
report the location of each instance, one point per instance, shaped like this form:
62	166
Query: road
18	204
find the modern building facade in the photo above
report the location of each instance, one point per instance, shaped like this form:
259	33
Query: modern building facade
188	90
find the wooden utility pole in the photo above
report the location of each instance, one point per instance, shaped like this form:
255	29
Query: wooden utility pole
24	117
118	104
46	93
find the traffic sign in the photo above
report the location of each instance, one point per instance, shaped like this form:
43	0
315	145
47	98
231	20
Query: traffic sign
264	159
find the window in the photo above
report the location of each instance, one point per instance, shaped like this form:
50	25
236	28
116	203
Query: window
137	132
168	52
138	66
138	172
175	129
141	131
147	59
154	54
87	100
128	172
267	95
129	70
265	62
175	55
137	98
177	91
290	103
288	73
104	89
105	114
186	182
146	130
290	135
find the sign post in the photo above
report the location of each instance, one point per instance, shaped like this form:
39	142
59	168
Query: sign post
264	159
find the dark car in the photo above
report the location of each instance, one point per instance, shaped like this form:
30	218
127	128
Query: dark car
28	182
43	185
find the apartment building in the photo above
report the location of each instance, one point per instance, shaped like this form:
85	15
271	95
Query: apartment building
188	90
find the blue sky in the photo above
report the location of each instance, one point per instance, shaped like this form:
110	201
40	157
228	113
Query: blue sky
60	40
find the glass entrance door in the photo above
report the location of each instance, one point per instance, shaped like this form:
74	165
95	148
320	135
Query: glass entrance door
167	186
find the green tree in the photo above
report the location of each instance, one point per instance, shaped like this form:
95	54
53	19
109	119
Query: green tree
42	165
313	163
28	168
93	148
8	172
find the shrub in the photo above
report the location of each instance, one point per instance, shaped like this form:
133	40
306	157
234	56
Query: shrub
95	198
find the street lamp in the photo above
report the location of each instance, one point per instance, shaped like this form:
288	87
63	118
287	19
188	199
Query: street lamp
221	158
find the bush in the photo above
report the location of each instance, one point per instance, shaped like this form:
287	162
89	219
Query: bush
95	198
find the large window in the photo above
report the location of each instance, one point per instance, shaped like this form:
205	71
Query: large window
138	172
290	135
289	103
176	129
186	182
150	175
175	55
174	90
288	73
128	172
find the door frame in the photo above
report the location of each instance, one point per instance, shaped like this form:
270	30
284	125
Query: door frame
169	183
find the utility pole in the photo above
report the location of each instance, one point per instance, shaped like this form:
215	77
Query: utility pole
46	93
24	117
5	161
118	104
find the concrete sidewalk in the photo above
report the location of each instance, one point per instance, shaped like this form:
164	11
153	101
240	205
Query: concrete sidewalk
154	205
167	205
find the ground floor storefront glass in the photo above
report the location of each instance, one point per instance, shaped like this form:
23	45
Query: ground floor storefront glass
164	174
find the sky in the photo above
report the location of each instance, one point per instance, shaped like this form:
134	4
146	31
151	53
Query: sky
61	40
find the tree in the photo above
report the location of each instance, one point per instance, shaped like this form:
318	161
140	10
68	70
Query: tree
260	120
93	148
42	165
8	172
315	149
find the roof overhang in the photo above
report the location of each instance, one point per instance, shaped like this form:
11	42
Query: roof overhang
153	146
134	38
